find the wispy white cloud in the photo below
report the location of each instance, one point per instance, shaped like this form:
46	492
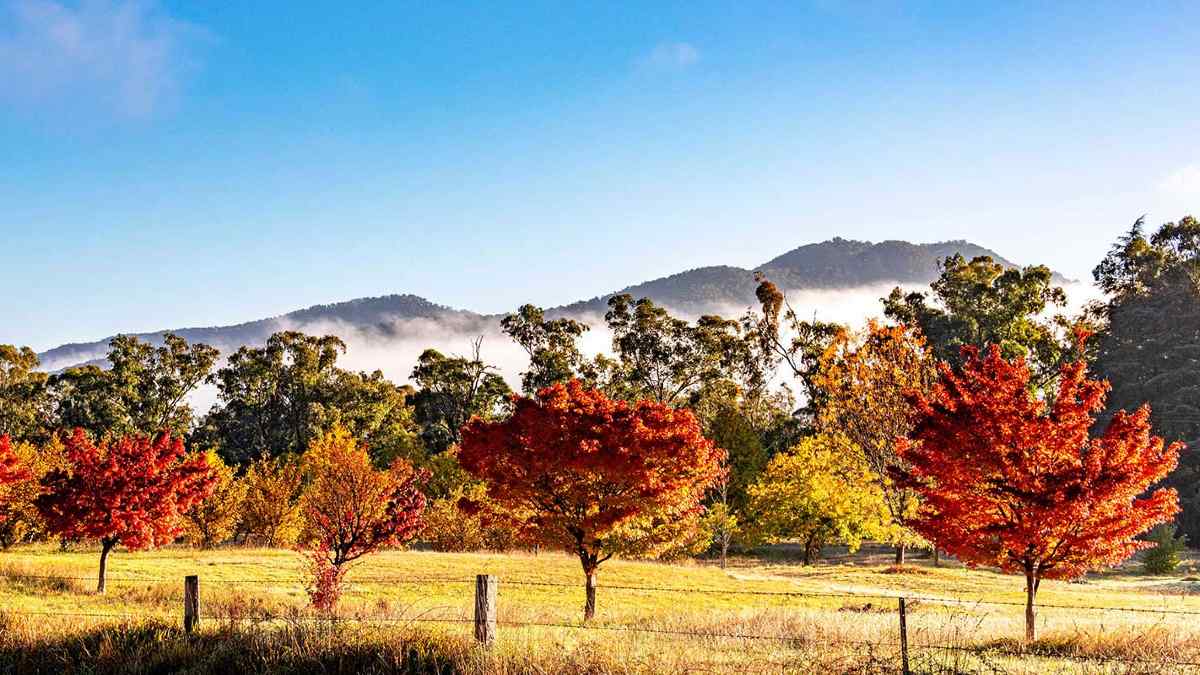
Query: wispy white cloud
671	56
1184	183
127	56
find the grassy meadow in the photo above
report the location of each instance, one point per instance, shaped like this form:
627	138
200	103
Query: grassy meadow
410	611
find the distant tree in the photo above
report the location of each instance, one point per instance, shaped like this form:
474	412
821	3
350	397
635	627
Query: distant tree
271	513
594	476
269	398
780	337
1149	342
1008	480
979	302
552	346
818	492
352	509
452	390
864	381
668	359
143	391
276	399
214	519
482	527
131	491
25	413
726	422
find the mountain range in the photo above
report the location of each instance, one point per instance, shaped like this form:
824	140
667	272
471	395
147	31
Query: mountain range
833	264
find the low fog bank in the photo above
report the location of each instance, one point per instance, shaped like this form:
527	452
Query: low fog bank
393	346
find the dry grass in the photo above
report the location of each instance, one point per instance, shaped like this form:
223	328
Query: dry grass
409	612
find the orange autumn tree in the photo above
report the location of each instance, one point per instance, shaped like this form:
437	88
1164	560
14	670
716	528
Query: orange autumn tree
1009	480
863	381
131	491
594	476
352	509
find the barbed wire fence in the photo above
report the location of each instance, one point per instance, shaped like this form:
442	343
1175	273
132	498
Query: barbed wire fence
898	648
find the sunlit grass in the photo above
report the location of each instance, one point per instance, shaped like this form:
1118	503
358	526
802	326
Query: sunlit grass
249	595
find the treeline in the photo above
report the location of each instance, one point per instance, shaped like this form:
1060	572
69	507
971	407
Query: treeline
274	400
976	419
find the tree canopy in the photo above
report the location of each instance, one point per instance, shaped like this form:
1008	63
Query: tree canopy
274	400
1149	343
143	391
452	390
979	302
594	476
552	346
25	411
1009	480
131	491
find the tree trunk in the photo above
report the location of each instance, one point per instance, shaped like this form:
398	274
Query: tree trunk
589	605
1031	588
937	557
106	545
900	553
724	549
812	550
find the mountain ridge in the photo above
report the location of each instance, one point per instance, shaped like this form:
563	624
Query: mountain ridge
831	264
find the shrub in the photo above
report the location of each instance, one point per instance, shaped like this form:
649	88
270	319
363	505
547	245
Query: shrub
1164	557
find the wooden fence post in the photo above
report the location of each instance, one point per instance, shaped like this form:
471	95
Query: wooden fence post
903	640
191	602
485	608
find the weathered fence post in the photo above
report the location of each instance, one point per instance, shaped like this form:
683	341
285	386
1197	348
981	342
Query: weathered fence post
903	640
191	602
485	608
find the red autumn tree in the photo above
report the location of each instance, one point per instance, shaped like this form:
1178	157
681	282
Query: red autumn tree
132	491
594	476
1009	480
352	509
11	470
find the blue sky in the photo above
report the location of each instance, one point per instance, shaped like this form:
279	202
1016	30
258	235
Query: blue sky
193	163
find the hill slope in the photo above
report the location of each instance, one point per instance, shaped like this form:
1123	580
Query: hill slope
837	263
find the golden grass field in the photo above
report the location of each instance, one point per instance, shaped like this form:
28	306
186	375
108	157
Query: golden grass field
410	611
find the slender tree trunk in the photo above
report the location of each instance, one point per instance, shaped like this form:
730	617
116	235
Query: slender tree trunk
1031	588
589	605
812	550
937	557
900	553
724	548
106	545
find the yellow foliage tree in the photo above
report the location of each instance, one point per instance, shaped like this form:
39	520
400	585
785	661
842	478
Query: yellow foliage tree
865	380
351	508
483	527
19	519
818	492
271	513
213	520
